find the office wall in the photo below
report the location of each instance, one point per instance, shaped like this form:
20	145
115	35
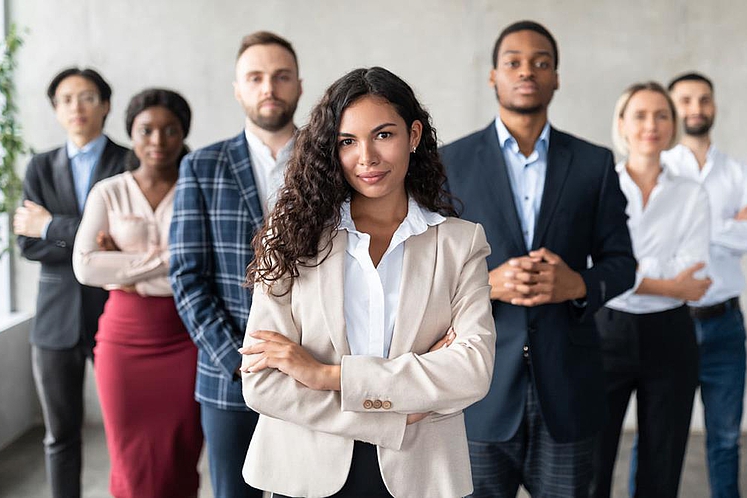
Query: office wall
441	47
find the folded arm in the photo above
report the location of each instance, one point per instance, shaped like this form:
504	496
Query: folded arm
57	246
101	268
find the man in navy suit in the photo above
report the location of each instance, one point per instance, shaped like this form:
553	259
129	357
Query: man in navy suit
555	218
223	193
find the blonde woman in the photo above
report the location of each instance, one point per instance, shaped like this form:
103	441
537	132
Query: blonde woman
648	339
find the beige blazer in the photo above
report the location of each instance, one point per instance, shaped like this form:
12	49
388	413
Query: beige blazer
303	443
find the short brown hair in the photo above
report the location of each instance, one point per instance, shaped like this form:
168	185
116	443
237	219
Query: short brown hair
266	38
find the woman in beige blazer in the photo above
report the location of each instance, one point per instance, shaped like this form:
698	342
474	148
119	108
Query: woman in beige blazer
370	329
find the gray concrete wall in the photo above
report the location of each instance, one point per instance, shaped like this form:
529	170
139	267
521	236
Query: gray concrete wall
441	47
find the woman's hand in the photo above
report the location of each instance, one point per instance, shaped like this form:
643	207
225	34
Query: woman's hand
277	351
688	288
105	242
443	342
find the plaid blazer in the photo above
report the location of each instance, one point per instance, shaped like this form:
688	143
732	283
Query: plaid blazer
216	213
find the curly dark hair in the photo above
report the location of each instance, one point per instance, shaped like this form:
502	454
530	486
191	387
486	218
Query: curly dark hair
307	212
157	97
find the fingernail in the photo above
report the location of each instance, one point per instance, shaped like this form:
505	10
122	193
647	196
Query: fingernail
509	274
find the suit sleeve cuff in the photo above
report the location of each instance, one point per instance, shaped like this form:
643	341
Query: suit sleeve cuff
44	230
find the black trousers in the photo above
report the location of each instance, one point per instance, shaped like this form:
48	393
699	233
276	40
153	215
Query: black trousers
655	355
59	376
364	479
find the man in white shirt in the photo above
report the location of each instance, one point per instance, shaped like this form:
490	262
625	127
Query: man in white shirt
223	193
718	320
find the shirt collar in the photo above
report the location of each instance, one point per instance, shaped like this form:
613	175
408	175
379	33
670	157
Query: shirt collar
95	147
665	175
417	221
258	145
506	139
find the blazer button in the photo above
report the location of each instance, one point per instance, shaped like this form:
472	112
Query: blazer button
526	351
377	404
368	404
386	405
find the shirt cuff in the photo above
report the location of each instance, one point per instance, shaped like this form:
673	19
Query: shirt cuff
44	230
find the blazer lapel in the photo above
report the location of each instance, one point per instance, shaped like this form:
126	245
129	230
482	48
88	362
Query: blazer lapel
558	162
419	266
240	165
106	166
331	281
491	157
63	180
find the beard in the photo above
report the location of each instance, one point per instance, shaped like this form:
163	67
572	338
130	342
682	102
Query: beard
700	129
273	122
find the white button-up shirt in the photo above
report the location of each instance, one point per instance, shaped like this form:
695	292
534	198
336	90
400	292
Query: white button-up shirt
670	234
725	181
268	172
371	293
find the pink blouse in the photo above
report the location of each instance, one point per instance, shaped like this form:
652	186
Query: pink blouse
117	206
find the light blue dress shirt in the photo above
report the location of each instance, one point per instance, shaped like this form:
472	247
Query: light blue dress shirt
527	176
83	162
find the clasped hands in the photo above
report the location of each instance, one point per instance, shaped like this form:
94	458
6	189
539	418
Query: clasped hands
541	277
274	350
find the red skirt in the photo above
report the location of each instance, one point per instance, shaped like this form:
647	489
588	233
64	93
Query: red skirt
145	364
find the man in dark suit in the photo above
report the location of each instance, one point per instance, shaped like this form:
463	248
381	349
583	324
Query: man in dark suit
55	189
222	195
555	218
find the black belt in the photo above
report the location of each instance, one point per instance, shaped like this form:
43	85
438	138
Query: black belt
706	312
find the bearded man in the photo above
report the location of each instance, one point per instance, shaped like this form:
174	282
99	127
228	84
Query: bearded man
223	193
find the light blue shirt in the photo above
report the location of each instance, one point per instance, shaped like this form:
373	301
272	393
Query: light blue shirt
83	162
526	174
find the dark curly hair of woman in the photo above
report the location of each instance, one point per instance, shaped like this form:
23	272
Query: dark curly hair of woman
307	212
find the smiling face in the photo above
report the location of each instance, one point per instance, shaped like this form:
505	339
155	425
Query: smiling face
695	106
79	109
267	86
524	77
374	145
157	138
647	124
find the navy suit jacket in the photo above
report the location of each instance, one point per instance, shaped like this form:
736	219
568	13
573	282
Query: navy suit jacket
216	212
66	311
582	216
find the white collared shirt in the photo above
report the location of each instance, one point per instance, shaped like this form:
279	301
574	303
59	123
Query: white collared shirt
268	172
371	294
725	181
670	234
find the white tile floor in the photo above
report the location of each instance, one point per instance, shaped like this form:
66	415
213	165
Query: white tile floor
22	468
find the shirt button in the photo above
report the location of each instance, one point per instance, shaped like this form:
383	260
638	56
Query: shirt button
377	404
386	405
368	404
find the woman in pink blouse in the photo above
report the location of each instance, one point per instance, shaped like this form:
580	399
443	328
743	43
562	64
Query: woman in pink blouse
145	360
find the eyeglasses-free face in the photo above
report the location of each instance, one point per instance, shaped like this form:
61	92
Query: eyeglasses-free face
79	109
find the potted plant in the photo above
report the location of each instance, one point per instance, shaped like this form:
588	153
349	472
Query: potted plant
11	147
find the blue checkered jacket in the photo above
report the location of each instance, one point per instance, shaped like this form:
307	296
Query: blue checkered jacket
216	213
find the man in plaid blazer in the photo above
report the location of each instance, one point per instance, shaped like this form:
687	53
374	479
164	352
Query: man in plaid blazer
223	193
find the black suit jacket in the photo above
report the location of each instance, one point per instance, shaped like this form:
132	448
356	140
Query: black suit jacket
582	216
66	311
